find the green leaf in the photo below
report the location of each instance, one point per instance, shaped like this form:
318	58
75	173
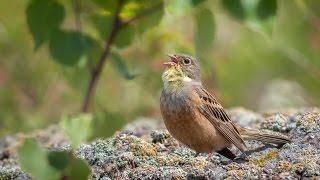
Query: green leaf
77	77
263	26
77	129
95	52
103	24
255	14
78	170
117	62
266	9
197	2
181	7
151	20
105	123
204	30
131	8
66	47
178	7
109	5
134	8
234	8
124	36
33	159
58	160
43	17
69	166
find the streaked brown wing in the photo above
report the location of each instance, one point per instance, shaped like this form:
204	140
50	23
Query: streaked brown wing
215	113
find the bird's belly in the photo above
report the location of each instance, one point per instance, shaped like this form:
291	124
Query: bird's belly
195	131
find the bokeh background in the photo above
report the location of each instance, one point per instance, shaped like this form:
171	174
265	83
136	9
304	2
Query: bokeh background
256	54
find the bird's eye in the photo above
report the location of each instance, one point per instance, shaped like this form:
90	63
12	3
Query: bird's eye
186	61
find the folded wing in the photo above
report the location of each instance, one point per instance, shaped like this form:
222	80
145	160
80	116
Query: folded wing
214	112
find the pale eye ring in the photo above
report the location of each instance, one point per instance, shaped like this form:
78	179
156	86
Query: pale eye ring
186	61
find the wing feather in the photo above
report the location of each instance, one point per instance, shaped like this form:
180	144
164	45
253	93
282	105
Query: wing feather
214	112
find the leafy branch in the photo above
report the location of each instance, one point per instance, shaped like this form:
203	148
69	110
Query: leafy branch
117	24
143	14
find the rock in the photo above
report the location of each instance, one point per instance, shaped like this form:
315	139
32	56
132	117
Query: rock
278	123
245	118
281	93
145	150
159	136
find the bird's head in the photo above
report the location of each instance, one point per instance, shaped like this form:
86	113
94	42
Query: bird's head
179	70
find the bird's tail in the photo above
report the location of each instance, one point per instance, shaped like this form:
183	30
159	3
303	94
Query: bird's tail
264	136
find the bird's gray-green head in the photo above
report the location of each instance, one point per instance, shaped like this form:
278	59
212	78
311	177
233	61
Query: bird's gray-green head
180	69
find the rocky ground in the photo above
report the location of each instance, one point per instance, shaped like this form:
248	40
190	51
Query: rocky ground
145	150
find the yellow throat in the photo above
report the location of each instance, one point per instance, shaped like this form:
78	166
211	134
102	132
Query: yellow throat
173	78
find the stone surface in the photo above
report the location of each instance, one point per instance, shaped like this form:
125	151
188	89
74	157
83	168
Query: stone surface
145	150
282	93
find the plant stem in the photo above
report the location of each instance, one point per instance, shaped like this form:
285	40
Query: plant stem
102	60
117	24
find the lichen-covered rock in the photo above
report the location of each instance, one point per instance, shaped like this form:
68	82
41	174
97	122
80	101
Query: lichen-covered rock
51	138
245	118
145	150
279	123
9	169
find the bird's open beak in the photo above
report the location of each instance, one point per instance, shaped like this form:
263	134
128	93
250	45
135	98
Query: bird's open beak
173	60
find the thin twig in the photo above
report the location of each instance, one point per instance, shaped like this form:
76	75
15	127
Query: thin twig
97	71
143	14
116	26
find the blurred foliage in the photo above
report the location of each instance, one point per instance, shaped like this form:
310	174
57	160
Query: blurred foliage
118	63
47	55
77	129
34	160
204	30
42	164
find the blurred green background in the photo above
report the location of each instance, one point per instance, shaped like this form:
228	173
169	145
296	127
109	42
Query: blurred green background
259	54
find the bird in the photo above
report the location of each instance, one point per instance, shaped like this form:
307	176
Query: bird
195	118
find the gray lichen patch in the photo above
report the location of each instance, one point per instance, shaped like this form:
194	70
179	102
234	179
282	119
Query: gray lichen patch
147	151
